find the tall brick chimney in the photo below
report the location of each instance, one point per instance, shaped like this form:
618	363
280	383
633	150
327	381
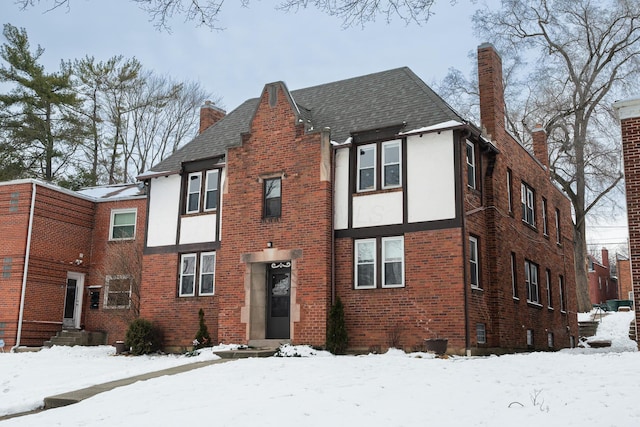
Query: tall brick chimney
605	257
491	92
540	149
210	115
629	115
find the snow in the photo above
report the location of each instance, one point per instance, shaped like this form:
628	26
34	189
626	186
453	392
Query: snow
572	387
439	126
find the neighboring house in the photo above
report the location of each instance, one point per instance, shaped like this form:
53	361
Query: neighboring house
629	114
370	189
603	285
55	247
623	267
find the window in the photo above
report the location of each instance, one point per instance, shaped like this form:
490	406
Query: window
558	232
474	271
201	267
211	190
563	306
528	206
123	224
550	339
367	167
393	256
390	162
514	282
529	337
195	191
471	165
365	264
481	333
207	273
509	196
390	272
6	267
531	282
272	198
545	222
549	293
117	292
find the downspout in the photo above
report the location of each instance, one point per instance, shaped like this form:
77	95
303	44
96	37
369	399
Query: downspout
26	267
332	227
465	243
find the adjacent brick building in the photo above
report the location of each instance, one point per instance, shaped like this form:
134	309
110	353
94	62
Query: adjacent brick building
603	285
53	250
370	189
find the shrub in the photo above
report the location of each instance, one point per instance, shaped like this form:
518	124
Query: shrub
202	337
337	338
142	337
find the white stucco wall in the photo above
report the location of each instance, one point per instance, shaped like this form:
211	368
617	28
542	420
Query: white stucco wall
164	205
431	177
377	209
198	229
341	190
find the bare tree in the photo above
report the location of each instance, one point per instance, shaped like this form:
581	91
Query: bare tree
207	12
588	51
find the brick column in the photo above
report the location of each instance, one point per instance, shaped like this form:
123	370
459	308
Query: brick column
629	115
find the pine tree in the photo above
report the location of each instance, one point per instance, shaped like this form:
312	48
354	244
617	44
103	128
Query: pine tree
202	337
337	338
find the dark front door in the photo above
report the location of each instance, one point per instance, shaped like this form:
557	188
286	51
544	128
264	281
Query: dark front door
278	299
70	303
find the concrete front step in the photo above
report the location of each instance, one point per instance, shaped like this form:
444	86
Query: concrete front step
74	337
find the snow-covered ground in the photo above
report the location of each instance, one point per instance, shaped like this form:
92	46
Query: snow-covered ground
578	387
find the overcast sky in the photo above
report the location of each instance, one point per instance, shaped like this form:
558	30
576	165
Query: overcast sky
259	44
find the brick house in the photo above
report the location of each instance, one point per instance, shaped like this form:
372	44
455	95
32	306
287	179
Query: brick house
629	115
55	249
370	189
603	285
623	269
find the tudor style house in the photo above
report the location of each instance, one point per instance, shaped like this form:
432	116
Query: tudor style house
62	260
373	190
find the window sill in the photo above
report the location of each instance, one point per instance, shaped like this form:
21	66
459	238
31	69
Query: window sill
271	219
516	299
378	191
531	226
392	286
550	308
211	212
534	304
477	288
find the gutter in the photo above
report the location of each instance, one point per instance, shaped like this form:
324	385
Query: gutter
26	267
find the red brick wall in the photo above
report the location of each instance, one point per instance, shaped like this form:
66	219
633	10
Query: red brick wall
430	305
624	278
15	201
106	259
61	232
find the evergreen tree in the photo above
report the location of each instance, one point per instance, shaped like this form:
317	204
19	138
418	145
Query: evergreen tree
337	338
202	337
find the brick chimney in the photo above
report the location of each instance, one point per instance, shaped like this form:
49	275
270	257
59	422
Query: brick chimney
629	115
540	149
491	92
210	115
605	257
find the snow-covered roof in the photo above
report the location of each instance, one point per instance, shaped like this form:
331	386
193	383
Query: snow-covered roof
106	193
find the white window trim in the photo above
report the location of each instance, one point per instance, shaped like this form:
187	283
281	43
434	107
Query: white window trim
481	333
206	188
115	212
530	281
375	172
545	219
549	295
474	263
514	281
108	278
563	308
527	198
509	195
471	164
384	163
201	273
189	193
356	264
558	231
384	261
180	276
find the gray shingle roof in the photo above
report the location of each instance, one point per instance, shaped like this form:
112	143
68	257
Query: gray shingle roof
361	103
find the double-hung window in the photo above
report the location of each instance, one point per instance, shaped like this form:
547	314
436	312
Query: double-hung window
367	163
528	204
549	292
390	271
117	292
563	306
197	274
272	198
471	165
514	280
367	167
545	219
123	224
531	281
474	269
196	191
558	230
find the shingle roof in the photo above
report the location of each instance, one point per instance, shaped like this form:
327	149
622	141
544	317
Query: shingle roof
361	103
